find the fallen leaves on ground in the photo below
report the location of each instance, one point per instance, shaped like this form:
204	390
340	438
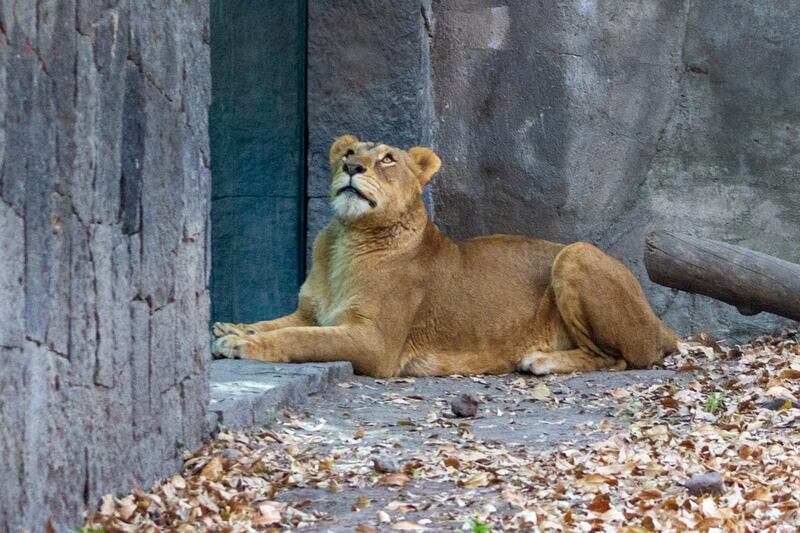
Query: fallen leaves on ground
709	434
541	392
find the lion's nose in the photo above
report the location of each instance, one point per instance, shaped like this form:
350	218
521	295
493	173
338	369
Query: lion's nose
354	168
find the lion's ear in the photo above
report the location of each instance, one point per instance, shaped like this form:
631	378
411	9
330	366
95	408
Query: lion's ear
340	146
427	162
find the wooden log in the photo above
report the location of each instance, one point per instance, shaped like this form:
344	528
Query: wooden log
750	280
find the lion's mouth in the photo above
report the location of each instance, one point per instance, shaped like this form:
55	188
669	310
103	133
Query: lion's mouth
353	190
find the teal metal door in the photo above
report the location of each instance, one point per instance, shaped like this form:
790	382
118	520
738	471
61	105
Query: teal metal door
257	134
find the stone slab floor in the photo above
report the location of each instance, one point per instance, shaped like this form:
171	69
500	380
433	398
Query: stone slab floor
327	408
405	419
247	393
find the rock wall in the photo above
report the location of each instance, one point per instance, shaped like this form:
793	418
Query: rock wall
104	200
598	121
369	75
578	120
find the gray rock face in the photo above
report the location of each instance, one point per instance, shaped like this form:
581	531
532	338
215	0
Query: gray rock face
369	75
599	121
104	198
578	120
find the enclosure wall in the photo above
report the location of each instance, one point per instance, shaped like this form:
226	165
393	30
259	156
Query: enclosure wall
104	199
600	121
368	75
579	120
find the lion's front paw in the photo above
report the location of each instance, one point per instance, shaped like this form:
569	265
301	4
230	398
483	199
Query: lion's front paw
246	347
537	363
228	346
220	329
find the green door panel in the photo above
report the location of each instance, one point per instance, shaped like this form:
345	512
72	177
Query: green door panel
257	133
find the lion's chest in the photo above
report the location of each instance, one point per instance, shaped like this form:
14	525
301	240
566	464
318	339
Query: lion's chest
341	287
332	312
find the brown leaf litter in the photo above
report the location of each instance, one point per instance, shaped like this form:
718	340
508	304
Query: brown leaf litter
716	452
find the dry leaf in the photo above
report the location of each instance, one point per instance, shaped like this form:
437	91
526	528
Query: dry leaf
648	524
362	502
780	392
635	529
213	469
541	392
481	479
451	462
405	525
760	493
660	431
670	403
400	507
127	506
598	479
107	506
649	494
395	478
269	513
600	504
789	373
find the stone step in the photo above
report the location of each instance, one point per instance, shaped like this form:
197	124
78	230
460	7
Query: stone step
248	393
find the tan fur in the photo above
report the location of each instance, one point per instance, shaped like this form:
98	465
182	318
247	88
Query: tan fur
391	294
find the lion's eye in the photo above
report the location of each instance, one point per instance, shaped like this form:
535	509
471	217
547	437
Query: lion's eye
348	153
387	159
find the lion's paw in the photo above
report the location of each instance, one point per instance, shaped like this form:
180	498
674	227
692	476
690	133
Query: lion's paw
537	363
220	329
228	346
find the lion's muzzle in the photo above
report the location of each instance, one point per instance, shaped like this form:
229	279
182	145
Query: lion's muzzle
353	190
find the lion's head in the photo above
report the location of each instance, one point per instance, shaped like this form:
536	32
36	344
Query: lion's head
377	182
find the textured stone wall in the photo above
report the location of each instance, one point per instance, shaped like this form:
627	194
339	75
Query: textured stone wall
598	121
578	120
369	75
103	249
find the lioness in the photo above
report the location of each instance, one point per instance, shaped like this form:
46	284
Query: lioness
392	295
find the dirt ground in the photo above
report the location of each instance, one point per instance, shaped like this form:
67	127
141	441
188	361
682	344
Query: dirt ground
594	452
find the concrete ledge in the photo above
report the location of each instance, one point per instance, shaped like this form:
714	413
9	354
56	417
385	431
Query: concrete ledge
247	393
